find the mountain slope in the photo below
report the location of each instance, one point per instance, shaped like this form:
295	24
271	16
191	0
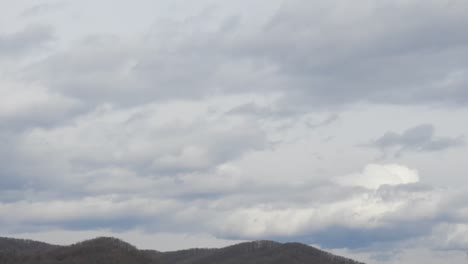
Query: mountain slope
111	250
23	245
264	252
94	251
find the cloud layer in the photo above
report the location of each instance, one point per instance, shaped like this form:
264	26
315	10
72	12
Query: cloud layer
419	138
236	121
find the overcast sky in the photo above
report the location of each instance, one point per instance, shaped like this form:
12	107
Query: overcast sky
178	123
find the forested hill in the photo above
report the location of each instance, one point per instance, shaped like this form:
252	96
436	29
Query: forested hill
106	250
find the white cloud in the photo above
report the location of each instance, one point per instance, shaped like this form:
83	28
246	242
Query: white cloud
375	175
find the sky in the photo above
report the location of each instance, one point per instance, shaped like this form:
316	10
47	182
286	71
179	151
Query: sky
174	124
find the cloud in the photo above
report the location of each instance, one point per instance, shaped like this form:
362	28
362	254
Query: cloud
387	52
451	236
382	207
41	9
375	176
28	105
332	118
374	216
129	144
31	38
213	122
385	212
366	55
420	138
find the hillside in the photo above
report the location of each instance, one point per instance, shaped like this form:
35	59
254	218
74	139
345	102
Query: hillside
111	250
23	245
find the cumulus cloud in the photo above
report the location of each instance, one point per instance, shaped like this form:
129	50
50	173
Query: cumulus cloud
245	210
374	211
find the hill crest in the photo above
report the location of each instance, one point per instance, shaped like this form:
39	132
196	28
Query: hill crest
113	250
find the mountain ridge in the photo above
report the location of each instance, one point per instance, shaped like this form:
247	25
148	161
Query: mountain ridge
103	250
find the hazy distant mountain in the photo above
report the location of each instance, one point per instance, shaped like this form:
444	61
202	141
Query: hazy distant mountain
106	250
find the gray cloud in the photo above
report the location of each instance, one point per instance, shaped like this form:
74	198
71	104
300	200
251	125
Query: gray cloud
41	9
356	218
329	120
420	138
23	42
393	54
273	110
140	143
172	130
397	53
